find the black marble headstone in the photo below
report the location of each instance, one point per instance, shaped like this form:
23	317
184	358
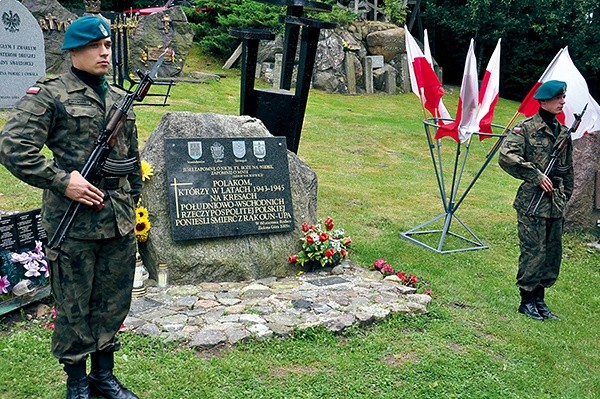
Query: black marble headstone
21	230
228	186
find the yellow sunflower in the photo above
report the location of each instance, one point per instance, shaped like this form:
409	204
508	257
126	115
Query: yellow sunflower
142	227
147	170
141	213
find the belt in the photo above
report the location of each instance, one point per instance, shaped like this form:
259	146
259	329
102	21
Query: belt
112	182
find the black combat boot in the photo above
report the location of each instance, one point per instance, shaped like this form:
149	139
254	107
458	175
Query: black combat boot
541	306
103	382
78	386
527	306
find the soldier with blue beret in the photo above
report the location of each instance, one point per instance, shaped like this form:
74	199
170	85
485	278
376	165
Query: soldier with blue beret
92	274
525	155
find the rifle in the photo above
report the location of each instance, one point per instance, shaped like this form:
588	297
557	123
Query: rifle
556	154
98	162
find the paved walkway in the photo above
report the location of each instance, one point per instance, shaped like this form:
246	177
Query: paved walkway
215	314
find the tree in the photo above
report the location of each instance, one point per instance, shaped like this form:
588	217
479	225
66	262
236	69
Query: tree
532	32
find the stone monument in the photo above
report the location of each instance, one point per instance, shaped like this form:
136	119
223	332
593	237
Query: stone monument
243	255
22	58
53	19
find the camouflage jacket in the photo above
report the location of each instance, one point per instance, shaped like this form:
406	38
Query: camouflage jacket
66	115
525	154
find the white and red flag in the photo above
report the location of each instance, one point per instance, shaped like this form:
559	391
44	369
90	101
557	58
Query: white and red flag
423	80
577	95
465	122
442	110
489	93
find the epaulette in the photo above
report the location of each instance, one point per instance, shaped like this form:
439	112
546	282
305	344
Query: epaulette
49	79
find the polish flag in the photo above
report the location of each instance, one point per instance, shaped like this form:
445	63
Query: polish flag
466	115
423	80
442	110
577	95
489	93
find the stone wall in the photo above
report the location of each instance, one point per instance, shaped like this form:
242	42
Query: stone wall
346	47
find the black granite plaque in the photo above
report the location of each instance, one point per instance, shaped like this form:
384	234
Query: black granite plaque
21	230
228	186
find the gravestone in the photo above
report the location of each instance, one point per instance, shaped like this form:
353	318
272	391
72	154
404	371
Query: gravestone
22	57
225	258
19	233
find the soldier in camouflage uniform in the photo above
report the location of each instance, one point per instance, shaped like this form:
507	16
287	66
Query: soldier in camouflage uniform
92	274
525	154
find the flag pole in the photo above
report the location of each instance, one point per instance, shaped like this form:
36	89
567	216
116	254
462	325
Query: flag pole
437	164
502	136
488	158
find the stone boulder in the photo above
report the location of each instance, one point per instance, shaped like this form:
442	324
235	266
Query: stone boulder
268	48
388	43
53	19
224	258
581	212
329	73
168	28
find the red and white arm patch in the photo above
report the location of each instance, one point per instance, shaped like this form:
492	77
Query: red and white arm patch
33	90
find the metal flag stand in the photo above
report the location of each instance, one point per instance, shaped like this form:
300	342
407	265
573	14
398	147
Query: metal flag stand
468	240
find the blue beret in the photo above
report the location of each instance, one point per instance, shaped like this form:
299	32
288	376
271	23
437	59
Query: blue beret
85	30
550	89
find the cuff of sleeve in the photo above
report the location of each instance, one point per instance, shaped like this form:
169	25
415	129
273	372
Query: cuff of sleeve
60	182
538	179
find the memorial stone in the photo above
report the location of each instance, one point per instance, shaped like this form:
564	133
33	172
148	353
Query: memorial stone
20	233
22	57
223	258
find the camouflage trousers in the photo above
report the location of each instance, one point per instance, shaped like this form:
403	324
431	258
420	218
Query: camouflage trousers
541	251
91	284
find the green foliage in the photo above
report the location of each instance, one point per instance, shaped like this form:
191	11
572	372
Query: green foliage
396	10
376	180
211	29
532	32
339	15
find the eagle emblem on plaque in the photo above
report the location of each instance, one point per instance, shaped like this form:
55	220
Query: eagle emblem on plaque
259	148
239	148
12	22
217	151
195	149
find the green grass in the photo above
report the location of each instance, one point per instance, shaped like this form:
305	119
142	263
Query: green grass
376	180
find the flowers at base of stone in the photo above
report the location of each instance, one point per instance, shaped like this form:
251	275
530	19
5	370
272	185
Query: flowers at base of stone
409	280
24	270
33	261
322	245
50	323
142	224
4	284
